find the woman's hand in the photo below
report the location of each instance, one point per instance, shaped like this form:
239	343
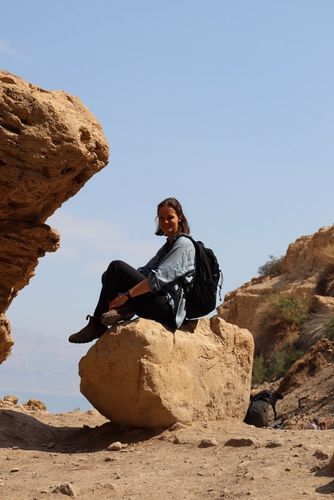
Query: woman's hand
141	288
118	301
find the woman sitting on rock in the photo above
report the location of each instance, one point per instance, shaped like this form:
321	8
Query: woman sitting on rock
153	291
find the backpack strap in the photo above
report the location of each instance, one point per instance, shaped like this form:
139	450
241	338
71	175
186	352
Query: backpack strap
220	284
166	248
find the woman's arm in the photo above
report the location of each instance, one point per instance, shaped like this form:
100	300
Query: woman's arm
180	261
139	289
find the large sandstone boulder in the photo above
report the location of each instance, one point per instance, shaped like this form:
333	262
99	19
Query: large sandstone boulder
140	374
50	145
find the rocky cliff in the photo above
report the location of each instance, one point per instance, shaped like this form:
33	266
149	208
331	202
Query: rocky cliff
297	304
50	145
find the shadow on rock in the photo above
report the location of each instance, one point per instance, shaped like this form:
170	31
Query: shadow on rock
28	433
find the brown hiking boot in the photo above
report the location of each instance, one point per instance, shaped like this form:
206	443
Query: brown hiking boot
92	331
114	316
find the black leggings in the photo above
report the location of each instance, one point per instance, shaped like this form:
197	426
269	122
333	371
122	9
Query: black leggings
120	277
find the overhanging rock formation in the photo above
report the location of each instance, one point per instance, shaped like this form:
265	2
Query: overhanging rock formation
50	145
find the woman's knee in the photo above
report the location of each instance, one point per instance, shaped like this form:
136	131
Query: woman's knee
116	265
114	268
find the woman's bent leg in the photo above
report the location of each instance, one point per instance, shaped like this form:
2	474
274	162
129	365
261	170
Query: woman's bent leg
118	278
154	306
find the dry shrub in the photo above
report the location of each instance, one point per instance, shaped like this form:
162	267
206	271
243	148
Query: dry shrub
280	321
276	364
273	266
325	284
318	325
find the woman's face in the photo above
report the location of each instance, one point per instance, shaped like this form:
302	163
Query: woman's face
169	221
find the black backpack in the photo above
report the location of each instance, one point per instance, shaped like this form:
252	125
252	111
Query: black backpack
259	405
201	293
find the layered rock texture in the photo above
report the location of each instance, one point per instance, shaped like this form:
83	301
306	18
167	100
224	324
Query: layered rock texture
50	145
140	374
298	302
317	359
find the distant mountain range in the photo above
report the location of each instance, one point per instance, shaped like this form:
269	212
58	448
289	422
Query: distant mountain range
41	363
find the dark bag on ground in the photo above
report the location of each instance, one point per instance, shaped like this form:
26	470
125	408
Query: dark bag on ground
258	413
201	293
259	406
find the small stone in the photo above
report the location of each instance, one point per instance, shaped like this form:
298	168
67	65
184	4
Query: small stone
320	455
207	443
116	446
177	426
236	442
35	405
11	399
15	469
65	489
273	444
52	444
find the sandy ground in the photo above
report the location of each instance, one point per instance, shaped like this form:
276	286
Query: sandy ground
44	455
53	456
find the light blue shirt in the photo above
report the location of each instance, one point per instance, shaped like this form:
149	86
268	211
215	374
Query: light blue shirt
163	271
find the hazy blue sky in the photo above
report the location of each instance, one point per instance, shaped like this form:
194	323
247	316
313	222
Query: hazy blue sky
226	104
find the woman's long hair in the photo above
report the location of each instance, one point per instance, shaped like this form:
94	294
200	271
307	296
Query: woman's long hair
173	203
